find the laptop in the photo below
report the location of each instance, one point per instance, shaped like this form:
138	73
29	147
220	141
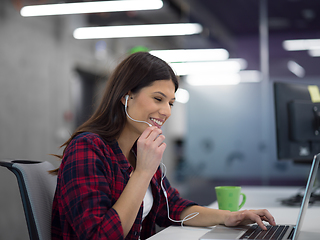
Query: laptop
255	232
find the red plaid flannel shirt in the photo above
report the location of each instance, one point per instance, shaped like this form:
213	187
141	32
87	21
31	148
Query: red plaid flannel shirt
91	178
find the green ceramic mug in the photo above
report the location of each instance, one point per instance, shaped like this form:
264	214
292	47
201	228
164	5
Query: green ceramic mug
228	198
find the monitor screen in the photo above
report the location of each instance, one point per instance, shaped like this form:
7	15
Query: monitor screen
297	111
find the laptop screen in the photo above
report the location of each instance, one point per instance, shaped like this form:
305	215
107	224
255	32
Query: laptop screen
306	197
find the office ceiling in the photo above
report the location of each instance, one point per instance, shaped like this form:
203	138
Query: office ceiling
287	19
240	16
234	25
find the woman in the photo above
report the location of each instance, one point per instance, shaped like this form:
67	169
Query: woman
109	181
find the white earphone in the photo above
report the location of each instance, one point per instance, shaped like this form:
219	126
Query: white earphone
125	108
163	170
127	98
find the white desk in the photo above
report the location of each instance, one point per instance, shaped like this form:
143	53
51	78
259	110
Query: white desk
258	197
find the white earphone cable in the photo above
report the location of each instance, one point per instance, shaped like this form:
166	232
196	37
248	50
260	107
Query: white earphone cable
125	109
186	218
164	171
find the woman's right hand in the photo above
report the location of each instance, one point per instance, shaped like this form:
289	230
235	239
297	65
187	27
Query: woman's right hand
150	148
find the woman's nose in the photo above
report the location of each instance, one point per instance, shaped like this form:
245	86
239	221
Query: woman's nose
165	110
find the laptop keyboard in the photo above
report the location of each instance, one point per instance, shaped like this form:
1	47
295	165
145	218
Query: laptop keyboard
272	232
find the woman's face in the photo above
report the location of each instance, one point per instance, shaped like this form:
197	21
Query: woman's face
151	104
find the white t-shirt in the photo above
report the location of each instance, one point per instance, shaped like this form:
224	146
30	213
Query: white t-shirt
147	203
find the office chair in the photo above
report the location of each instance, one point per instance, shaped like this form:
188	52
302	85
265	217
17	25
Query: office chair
37	188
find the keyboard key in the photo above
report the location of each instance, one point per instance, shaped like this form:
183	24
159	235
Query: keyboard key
249	232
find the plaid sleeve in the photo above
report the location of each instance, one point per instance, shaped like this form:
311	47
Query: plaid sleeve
86	195
176	205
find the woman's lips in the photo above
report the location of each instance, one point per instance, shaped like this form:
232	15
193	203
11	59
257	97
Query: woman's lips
157	122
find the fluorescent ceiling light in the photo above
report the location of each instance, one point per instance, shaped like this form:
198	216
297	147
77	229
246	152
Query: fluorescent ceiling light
301	44
250	76
150	30
296	69
191	55
90	7
191	68
182	95
314	52
213	79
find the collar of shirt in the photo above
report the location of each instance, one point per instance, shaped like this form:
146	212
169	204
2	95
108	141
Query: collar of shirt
122	160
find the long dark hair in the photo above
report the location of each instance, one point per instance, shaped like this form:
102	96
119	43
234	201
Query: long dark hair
137	71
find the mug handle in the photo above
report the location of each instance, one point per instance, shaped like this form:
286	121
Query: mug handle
243	200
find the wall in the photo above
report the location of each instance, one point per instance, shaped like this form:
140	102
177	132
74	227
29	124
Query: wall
37	61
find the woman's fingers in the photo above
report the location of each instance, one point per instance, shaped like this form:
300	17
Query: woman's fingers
150	131
250	216
152	135
256	218
266	216
150	149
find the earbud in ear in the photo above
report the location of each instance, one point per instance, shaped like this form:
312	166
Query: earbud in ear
126	97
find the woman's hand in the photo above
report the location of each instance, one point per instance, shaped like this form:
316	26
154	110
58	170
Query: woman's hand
249	216
150	148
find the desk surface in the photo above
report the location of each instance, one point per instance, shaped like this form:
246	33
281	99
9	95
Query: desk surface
258	197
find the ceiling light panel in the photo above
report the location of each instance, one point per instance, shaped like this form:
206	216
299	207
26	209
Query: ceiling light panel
191	55
150	30
90	7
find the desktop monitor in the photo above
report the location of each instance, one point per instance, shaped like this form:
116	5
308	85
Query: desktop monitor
297	111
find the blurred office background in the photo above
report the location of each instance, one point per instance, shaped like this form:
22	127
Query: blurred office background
221	133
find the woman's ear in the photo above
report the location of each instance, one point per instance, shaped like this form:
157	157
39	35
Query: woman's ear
125	98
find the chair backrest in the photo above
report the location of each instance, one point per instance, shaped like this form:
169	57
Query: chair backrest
37	188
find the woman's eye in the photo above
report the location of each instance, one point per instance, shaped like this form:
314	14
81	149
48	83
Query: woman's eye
160	100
